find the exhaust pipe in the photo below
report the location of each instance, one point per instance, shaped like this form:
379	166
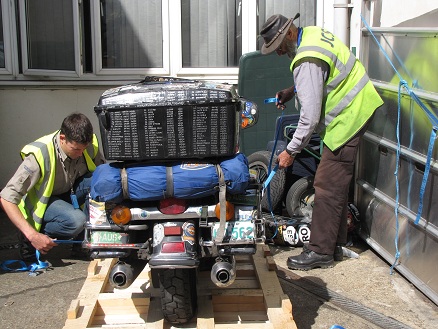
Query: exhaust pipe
121	275
223	273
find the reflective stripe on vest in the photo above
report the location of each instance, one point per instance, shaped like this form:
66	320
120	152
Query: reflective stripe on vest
90	160
330	116
344	70
35	202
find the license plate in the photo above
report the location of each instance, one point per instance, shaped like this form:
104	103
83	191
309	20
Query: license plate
108	237
236	230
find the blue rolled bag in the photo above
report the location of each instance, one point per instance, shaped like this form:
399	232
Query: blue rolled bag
115	182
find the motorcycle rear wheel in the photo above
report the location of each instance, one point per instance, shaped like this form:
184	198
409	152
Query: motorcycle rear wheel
178	294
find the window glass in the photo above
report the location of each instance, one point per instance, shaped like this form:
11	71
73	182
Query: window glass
50	35
2	48
131	33
211	33
288	8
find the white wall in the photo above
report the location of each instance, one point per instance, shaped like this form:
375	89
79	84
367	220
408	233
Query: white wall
29	113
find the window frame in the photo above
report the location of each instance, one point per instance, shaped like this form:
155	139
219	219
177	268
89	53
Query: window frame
9	46
97	46
76	40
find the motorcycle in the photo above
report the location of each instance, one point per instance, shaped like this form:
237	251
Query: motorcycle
176	208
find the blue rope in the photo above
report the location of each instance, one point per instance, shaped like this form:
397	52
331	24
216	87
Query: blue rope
397	188
434	121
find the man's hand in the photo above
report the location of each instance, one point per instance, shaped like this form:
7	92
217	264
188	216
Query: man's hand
284	96
284	160
42	242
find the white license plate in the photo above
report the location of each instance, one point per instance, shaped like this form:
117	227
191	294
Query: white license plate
108	237
236	230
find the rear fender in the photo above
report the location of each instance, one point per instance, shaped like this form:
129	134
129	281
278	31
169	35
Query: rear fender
174	244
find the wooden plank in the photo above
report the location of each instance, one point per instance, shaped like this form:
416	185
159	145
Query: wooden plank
245	269
258	325
119	319
266	250
272	291
270	262
98	272
239	307
205	317
206	286
231	296
72	311
155	316
241	317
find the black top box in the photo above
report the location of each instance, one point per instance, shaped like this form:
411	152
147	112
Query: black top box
167	118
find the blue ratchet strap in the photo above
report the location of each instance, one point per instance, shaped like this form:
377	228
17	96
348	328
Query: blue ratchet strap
273	171
271	175
271	100
67	241
39	265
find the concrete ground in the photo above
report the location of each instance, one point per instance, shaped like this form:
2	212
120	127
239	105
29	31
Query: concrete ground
355	293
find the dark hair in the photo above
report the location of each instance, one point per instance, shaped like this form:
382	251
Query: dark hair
77	128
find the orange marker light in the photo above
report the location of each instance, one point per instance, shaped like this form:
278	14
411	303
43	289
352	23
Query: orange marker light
229	212
121	215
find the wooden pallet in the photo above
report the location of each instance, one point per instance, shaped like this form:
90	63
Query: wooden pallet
254	300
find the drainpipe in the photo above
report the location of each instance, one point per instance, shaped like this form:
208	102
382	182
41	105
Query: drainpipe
342	21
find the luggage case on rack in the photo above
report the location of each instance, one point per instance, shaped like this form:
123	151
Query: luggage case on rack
169	118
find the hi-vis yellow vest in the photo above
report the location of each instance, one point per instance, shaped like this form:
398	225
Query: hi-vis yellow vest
34	204
351	98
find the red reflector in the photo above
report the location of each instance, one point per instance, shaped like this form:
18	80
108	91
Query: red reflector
169	247
172	206
172	230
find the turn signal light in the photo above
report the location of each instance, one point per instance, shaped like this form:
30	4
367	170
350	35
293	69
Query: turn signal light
121	215
229	212
172	206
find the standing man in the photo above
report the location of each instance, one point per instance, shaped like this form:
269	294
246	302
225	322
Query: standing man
45	197
337	101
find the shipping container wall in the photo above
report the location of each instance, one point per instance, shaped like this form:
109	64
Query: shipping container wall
393	156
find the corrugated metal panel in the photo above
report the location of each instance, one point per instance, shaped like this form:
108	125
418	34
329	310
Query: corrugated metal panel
413	52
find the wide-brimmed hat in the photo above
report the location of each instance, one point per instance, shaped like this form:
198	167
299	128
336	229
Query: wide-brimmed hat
273	32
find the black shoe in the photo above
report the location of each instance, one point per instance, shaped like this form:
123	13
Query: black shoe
308	260
27	251
338	255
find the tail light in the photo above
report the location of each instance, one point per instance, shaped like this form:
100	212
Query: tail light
229	210
172	247
121	215
172	206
